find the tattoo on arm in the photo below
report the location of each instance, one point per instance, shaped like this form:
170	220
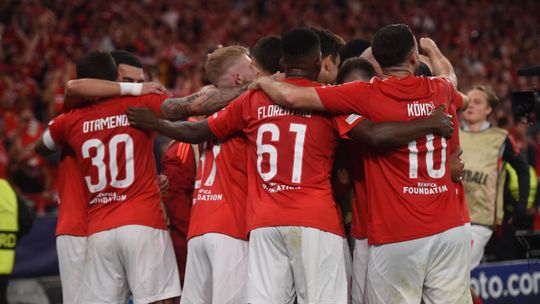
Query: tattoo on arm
203	102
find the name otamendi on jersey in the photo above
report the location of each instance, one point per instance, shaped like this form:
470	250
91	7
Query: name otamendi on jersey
105	123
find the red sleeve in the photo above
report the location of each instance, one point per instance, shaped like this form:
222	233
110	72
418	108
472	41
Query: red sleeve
345	123
352	97
459	101
57	129
154	101
454	97
454	140
230	119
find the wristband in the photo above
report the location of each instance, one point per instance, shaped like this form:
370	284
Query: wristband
128	88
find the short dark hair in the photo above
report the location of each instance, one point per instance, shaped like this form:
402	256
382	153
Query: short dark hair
267	53
423	70
354	48
331	44
125	57
355	64
300	43
97	65
392	44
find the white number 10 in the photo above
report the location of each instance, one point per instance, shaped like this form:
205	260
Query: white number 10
413	158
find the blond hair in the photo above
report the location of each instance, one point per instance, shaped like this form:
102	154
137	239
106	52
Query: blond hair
221	59
491	97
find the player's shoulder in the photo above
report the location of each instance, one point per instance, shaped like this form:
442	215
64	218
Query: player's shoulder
441	81
133	100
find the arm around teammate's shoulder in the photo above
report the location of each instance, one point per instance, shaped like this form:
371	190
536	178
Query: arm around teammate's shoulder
394	134
207	100
288	95
191	132
78	91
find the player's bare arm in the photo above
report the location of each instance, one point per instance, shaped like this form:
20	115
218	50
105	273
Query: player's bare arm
457	166
440	65
78	91
394	134
190	132
206	101
287	95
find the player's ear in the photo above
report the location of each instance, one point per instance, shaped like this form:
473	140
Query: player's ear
326	62
318	64
238	80
414	59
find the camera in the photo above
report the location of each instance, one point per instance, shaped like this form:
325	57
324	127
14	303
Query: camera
526	104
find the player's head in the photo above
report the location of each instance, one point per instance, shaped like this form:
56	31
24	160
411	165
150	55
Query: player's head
368	55
97	65
331	45
301	51
230	66
482	103
395	46
130	68
266	54
354	69
354	48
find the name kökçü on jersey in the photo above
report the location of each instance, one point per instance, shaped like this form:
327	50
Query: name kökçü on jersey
418	109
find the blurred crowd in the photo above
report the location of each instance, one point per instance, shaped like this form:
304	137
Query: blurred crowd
486	40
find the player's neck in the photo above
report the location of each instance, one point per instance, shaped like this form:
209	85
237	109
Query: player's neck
300	73
397	72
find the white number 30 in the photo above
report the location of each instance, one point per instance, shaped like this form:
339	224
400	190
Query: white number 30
97	161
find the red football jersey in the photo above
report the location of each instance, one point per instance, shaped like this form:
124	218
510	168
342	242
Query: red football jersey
410	191
72	203
453	145
219	199
289	157
359	198
179	166
116	161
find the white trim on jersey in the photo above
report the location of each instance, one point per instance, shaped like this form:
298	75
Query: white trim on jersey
49	141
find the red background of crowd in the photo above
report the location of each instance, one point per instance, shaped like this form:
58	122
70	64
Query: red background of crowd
487	41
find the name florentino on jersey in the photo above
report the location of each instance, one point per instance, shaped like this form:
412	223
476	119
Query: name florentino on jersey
275	110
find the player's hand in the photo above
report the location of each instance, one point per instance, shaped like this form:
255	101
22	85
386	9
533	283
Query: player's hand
154	88
278	76
256	84
428	45
163	183
442	122
457	166
142	118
